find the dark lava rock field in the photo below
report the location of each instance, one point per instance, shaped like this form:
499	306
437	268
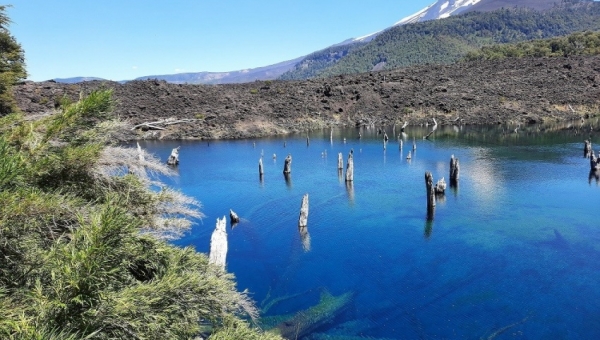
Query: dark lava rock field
524	91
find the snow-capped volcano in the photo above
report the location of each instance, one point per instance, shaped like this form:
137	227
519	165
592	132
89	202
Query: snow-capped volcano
438	10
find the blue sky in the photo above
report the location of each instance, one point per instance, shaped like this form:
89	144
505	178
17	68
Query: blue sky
124	39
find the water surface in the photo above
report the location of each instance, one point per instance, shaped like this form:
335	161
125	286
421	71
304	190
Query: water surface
512	252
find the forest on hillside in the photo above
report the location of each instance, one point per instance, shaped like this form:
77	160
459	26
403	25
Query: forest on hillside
449	40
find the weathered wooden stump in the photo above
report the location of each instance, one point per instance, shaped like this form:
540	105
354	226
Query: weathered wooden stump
454	170
350	167
287	164
218	244
340	161
385	137
174	157
403	126
440	187
260	167
303	218
233	217
587	149
430	194
594	162
304	238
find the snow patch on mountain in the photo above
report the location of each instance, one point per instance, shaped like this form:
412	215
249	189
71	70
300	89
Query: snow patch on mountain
438	10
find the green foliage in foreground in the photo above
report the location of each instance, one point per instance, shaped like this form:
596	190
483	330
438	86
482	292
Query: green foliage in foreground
12	64
82	239
581	43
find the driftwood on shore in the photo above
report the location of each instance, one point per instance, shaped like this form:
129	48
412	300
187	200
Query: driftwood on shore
350	167
287	164
174	157
432	129
218	244
403	126
160	124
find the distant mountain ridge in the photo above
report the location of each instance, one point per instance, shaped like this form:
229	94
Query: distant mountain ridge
313	64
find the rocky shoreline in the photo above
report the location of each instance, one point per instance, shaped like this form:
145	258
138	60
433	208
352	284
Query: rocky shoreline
527	91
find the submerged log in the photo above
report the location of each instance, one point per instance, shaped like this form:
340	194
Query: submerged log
430	193
350	167
587	149
233	217
305	322
303	218
340	161
454	170
304	238
174	157
218	244
287	164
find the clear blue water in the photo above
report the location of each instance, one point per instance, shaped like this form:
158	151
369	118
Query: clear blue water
513	252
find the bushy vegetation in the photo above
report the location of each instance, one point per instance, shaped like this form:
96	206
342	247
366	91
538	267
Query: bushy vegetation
84	225
581	43
12	64
449	40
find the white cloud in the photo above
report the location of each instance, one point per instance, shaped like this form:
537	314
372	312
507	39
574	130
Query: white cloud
134	67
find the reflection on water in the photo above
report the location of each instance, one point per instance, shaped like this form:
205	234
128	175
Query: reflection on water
521	229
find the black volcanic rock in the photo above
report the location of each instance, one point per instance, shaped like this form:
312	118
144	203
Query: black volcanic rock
511	90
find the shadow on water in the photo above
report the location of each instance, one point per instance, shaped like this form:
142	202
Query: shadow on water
350	191
288	180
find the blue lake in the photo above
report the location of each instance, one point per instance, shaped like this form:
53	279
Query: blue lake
512	252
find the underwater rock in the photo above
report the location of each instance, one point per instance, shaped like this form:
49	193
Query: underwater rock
218	244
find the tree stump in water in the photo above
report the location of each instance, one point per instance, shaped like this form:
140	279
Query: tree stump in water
440	187
350	167
233	217
174	157
587	149
454	170
340	161
260	167
287	164
594	162
218	244
430	193
303	218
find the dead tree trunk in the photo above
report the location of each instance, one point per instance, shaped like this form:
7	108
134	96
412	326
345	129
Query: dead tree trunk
233	217
340	161
430	194
303	218
260	167
218	244
594	162
454	170
287	164
350	167
174	157
587	149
